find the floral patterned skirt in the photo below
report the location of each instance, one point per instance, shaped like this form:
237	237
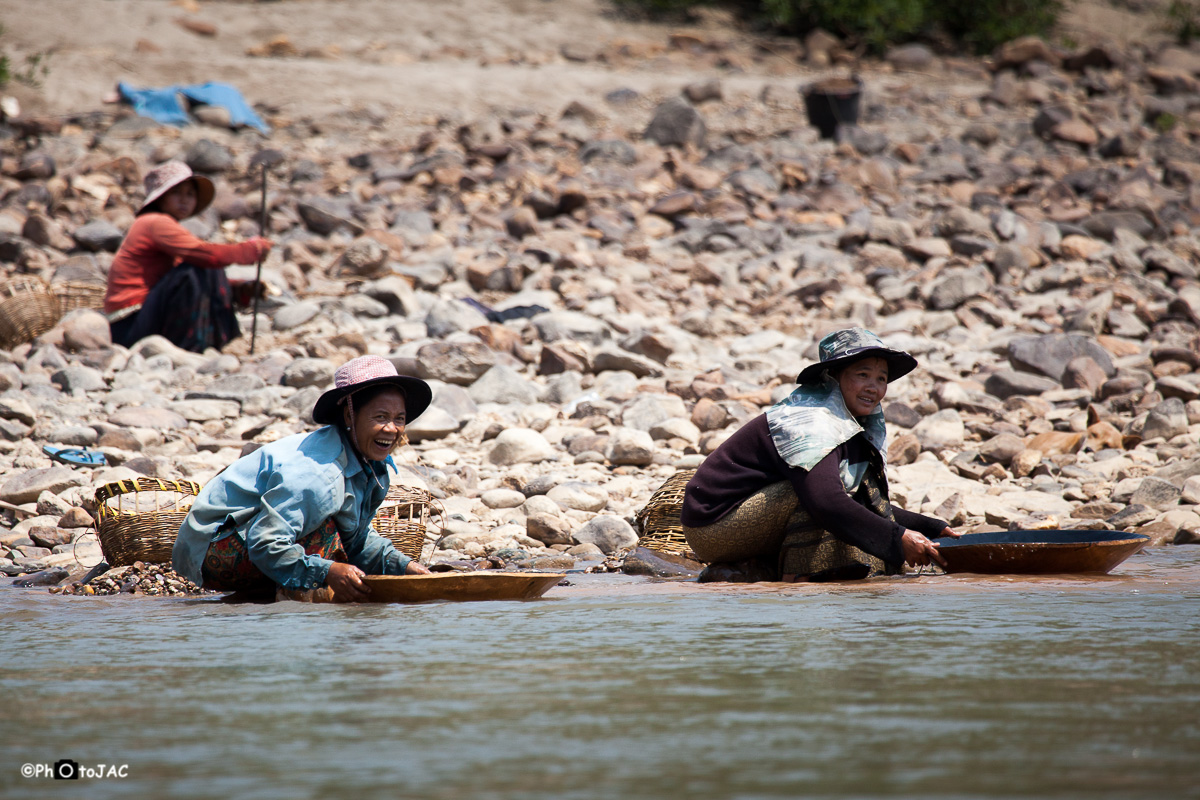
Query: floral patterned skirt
227	566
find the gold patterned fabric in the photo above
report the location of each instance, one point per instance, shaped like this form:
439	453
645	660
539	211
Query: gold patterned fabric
769	523
754	528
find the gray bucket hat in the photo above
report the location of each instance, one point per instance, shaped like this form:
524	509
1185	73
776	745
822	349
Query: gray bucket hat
845	346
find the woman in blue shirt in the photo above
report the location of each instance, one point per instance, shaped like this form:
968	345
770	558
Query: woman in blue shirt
297	513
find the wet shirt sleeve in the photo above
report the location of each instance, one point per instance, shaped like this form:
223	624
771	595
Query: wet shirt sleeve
172	238
821	493
365	548
930	526
291	506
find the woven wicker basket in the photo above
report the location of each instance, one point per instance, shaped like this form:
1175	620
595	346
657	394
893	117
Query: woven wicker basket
27	310
140	518
78	294
403	519
658	522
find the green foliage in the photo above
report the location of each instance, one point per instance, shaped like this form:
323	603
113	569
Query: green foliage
984	24
35	67
980	25
874	22
1183	20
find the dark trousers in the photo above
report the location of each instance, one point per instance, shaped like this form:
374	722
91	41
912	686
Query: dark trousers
192	307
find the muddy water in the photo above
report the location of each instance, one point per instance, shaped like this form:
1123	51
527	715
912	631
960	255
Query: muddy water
615	687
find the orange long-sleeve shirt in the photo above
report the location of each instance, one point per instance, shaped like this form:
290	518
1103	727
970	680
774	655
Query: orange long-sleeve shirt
154	245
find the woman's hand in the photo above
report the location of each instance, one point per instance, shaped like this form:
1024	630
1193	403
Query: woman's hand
948	532
347	584
918	550
416	568
263	246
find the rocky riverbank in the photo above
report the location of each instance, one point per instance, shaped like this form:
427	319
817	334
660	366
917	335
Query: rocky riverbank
601	293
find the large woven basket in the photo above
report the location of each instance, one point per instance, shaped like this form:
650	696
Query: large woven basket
404	519
140	518
78	294
27	310
658	522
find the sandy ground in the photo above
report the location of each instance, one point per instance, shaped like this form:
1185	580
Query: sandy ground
405	57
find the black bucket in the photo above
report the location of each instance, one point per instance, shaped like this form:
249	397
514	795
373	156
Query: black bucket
831	103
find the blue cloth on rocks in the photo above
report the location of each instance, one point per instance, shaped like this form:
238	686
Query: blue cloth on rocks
282	492
162	105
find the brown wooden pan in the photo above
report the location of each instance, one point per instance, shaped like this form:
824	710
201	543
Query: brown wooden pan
1039	552
460	586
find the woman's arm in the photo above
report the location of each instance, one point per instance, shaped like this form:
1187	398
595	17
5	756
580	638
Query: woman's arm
821	493
172	238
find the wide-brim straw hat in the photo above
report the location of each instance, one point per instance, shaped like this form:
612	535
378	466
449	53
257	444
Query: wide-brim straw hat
362	373
844	347
165	177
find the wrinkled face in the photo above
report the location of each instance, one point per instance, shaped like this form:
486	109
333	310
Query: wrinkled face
864	384
179	201
378	424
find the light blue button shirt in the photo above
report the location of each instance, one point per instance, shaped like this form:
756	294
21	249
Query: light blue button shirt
282	492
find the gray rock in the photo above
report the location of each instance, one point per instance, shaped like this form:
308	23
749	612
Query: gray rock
309	372
456	401
17	408
548	529
85	329
237	387
676	122
395	293
78	378
615	359
415	226
1132	517
364	258
323	215
520	446
294	315
579	495
434	423
630	446
26	486
1049	354
360	305
74	435
1008	383
502	498
502	384
941	430
460	363
205	410
1002	448
572	325
452	316
649	410
612	150
608	533
754	182
1167	419
957	287
1156	493
98	235
1105	224
147	417
208	156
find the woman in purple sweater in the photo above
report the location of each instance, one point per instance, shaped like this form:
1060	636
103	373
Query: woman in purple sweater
803	488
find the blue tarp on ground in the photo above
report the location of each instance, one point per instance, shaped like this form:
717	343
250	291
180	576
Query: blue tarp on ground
162	105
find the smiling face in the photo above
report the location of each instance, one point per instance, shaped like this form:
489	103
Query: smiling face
864	384
179	201
378	423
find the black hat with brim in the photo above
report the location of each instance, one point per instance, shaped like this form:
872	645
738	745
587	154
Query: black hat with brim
362	373
844	347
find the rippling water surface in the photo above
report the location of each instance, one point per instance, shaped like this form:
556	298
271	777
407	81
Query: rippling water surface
946	686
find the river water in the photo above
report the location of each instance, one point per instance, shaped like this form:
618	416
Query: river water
620	687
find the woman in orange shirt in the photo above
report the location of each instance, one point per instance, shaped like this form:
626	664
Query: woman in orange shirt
164	280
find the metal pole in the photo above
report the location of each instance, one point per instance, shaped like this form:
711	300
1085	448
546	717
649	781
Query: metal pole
262	231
